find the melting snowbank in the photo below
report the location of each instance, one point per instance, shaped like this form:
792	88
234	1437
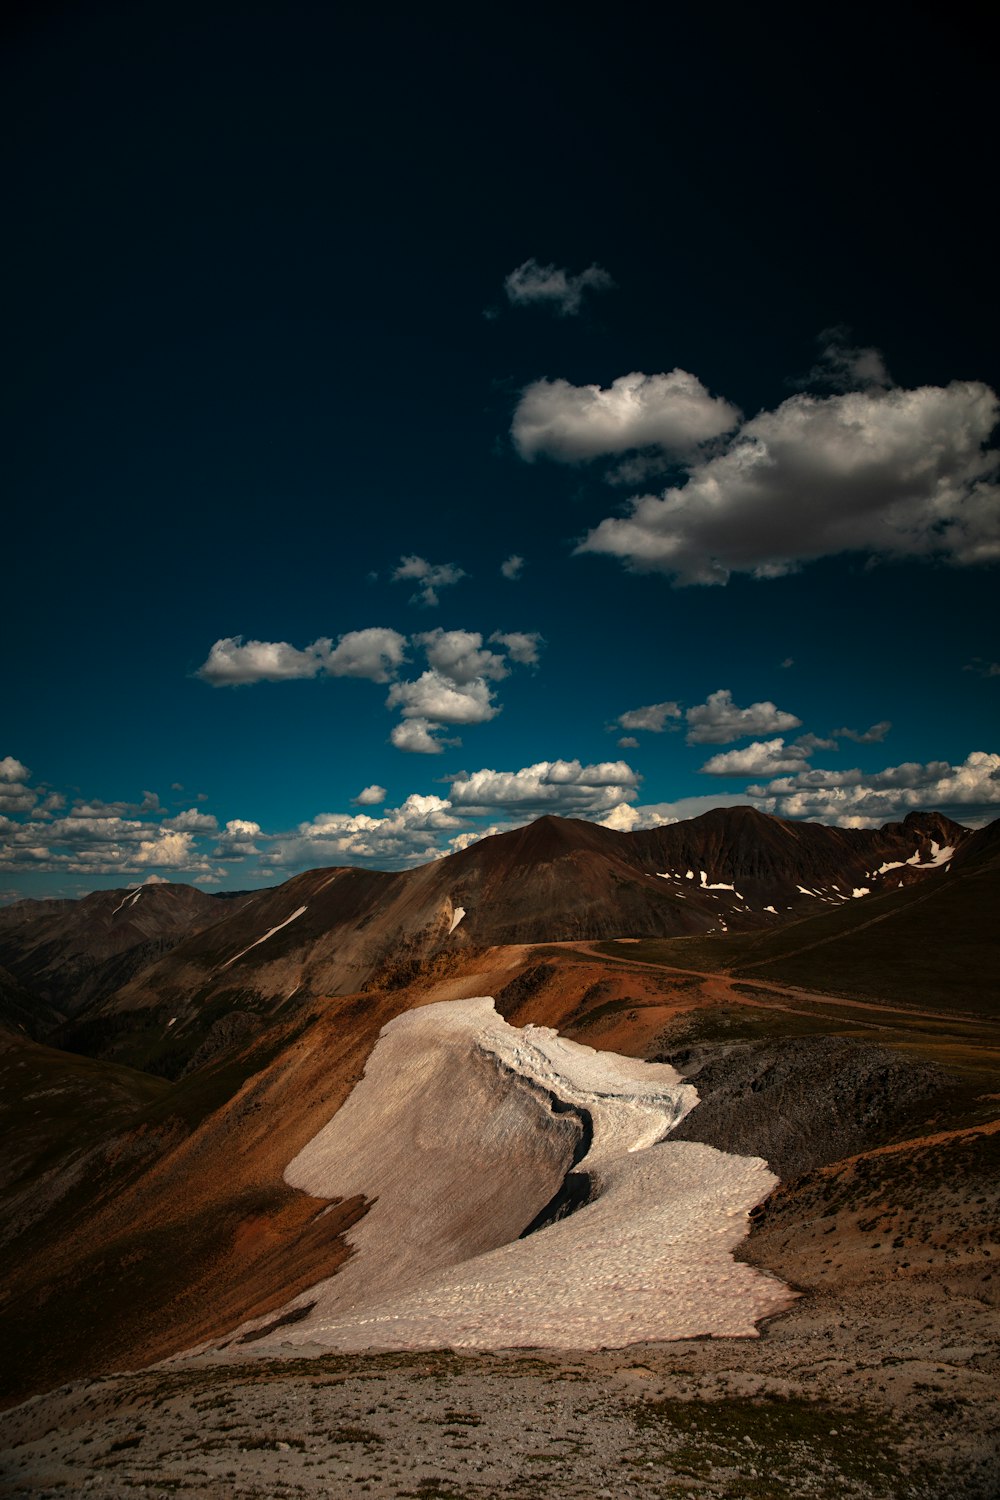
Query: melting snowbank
460	1131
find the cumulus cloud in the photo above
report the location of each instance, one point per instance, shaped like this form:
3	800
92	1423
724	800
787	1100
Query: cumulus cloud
569	423
370	796
560	786
761	758
437	699
626	819
102	838
429	577
535	285
192	821
401	835
717	721
628	742
233	661
522	646
891	473
169	850
456	688
374	653
237	839
416	737
873	736
459	655
15	798
652	718
970	792
13	770
810	743
512	567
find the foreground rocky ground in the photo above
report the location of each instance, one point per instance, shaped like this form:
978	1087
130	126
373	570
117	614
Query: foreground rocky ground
890	1393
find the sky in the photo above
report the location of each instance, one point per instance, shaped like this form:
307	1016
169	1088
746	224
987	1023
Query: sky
421	421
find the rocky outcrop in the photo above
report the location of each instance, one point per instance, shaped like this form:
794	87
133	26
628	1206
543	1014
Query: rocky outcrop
802	1102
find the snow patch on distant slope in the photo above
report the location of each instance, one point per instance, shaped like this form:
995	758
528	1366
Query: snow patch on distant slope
269	934
718	885
456	917
129	900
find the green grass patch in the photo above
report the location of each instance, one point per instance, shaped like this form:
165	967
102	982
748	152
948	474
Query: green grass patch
777	1447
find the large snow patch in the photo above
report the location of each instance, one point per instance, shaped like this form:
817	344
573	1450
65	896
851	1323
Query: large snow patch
461	1130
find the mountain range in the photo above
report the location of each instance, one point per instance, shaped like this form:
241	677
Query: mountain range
165	1055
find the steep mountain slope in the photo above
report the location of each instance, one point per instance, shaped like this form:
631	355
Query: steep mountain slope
931	943
166	1218
337	931
21	1011
67	952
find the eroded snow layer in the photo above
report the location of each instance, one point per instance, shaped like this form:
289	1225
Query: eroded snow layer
460	1134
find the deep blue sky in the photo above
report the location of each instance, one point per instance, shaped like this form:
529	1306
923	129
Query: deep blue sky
259	349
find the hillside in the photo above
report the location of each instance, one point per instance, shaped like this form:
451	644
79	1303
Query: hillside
66	953
326	932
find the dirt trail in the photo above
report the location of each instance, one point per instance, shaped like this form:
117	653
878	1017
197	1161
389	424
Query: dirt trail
733	986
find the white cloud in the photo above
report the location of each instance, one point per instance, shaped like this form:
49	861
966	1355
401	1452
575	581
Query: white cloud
416	737
810	743
79	828
459	655
535	285
440	701
891	473
403	834
717	721
856	798
370	796
13	770
626	819
429	576
657	814
569	423
237	839
760	758
652	718
522	646
16	799
873	736
456	689
512	567
192	821
375	653
559	786
628	742
173	851
233	661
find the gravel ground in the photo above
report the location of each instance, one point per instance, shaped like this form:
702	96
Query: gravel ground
891	1394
